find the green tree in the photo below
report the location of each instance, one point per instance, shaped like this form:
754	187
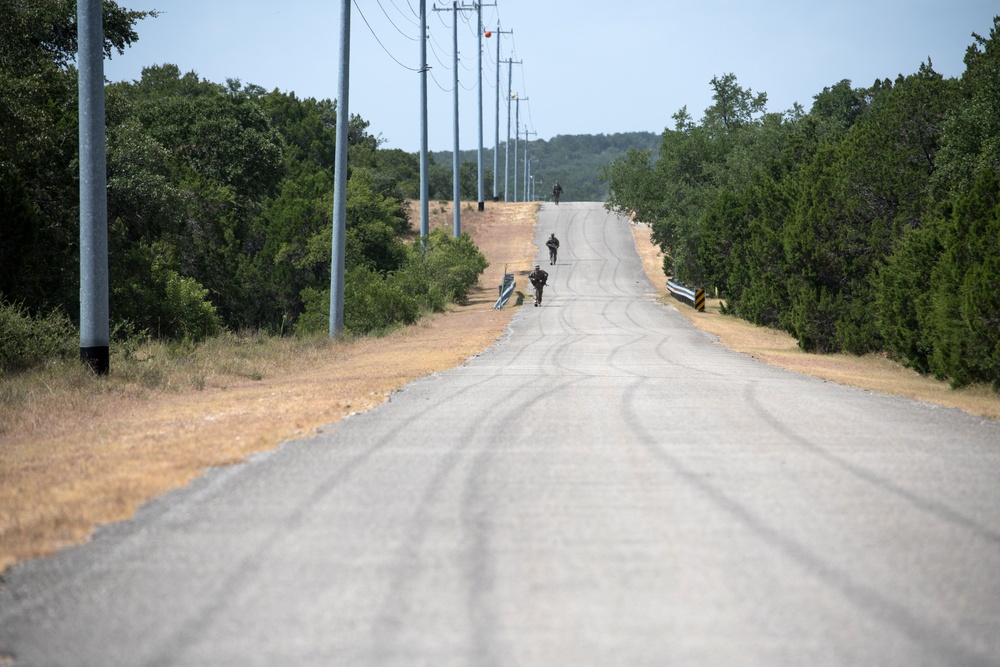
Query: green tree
858	200
971	140
903	296
398	173
734	107
39	193
695	162
374	224
963	319
223	160
631	185
42	34
836	109
576	161
965	301
742	253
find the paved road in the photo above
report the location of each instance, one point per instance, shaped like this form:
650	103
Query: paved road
606	486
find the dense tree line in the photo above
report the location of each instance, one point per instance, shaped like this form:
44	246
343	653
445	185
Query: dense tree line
869	224
220	199
575	160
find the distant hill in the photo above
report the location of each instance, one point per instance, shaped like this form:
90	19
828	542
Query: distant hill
575	160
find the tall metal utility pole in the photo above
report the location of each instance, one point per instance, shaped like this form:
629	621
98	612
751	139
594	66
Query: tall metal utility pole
95	332
482	187
527	161
339	236
506	159
496	145
424	164
456	181
517	134
527	171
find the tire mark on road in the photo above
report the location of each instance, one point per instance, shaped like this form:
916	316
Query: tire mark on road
937	510
930	636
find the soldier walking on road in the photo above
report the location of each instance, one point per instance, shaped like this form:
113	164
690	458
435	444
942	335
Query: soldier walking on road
553	244
538	279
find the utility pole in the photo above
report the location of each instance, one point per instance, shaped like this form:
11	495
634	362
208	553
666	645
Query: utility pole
456	181
527	161
527	175
506	158
482	187
94	312
517	134
424	164
496	144
339	235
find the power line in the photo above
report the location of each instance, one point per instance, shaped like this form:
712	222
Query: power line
415	13
438	83
441	19
437	57
434	44
365	19
389	18
524	84
524	87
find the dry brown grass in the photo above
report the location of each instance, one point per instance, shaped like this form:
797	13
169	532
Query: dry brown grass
873	372
77	451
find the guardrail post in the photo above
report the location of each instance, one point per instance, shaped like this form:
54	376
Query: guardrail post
506	289
695	297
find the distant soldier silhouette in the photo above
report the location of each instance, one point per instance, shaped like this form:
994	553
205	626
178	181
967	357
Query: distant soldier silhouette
556	192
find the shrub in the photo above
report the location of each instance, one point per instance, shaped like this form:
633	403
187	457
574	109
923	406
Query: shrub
153	295
453	264
316	316
442	271
414	281
372	304
194	315
27	341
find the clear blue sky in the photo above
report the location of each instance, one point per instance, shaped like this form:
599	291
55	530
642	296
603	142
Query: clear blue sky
588	67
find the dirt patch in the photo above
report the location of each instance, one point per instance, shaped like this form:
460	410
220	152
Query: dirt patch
873	372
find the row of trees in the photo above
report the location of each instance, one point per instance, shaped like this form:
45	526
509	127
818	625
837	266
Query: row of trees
870	223
575	160
219	198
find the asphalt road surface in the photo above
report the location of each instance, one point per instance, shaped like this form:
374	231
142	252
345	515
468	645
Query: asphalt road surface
605	486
